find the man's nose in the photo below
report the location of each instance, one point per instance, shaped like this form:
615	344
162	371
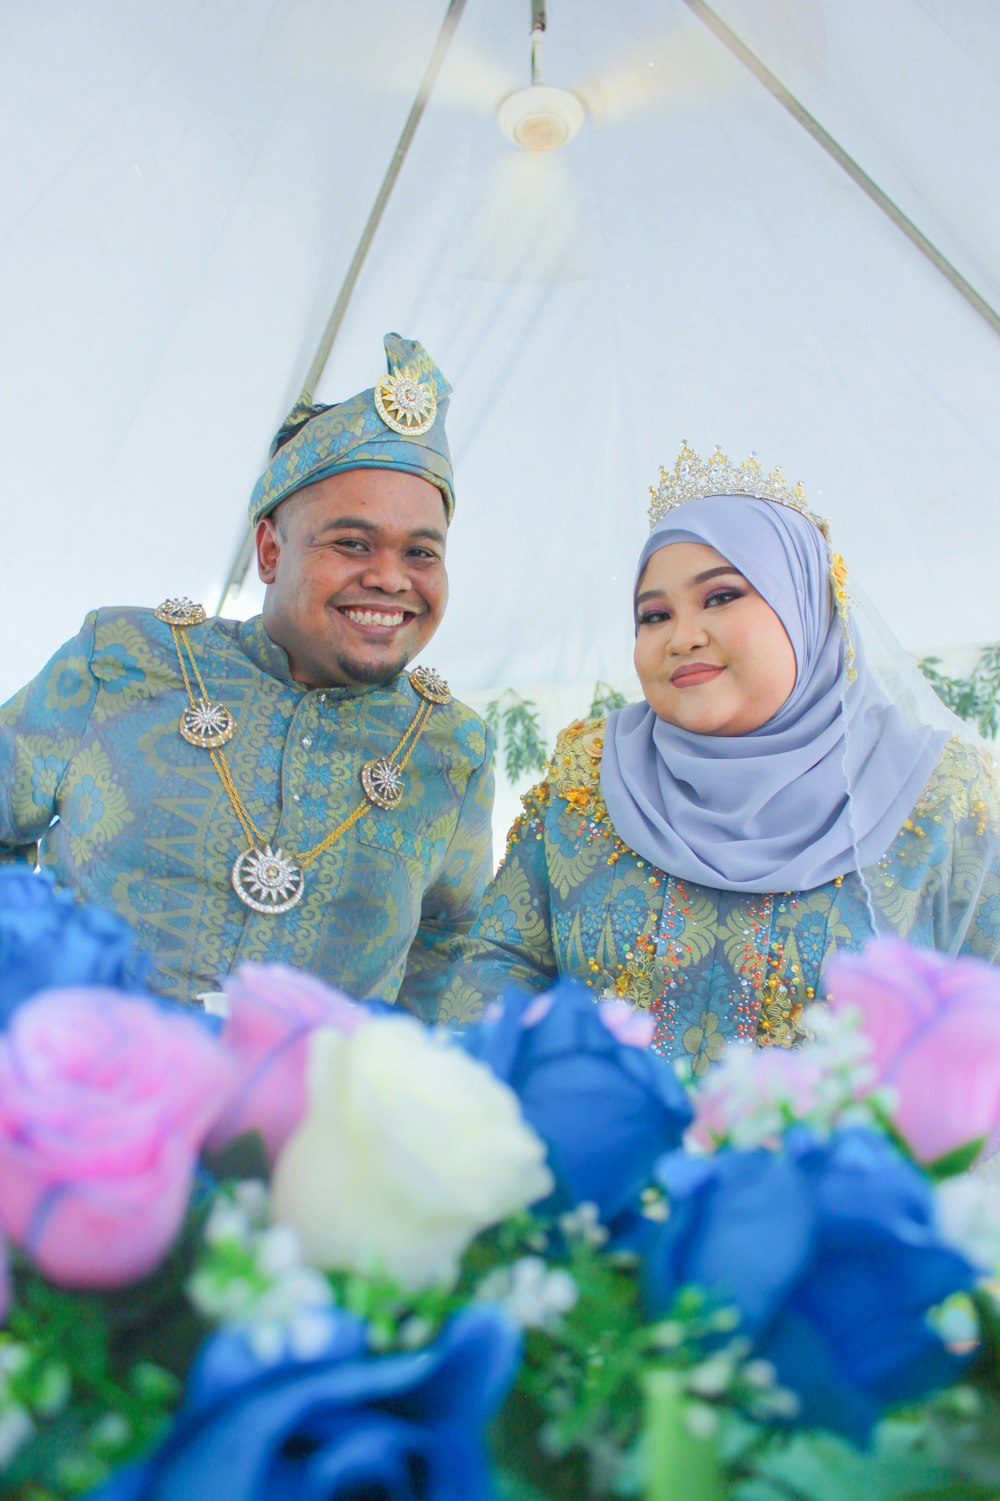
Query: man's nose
386	572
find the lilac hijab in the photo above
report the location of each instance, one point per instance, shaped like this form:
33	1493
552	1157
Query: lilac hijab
822	788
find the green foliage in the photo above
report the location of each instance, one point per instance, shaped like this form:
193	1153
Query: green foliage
514	722
567	1429
397	1318
93	1401
818	1466
605	700
573	1427
975	698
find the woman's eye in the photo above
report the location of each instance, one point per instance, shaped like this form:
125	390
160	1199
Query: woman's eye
653	617
723	596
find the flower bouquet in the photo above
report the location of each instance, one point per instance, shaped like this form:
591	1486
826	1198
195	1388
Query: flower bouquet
318	1251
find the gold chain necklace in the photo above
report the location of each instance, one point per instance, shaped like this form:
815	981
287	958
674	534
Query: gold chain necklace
270	880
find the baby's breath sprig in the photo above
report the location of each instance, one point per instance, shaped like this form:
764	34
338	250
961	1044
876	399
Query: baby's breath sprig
251	1273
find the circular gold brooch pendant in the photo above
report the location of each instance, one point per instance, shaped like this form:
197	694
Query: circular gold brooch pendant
267	880
208	725
181	612
383	782
430	685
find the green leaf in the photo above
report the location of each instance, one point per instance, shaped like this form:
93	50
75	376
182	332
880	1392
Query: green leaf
958	1160
819	1466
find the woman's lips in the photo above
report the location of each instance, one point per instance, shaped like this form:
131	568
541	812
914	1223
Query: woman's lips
690	677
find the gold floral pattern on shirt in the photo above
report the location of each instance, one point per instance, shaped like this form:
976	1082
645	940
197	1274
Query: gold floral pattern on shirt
95	809
144	826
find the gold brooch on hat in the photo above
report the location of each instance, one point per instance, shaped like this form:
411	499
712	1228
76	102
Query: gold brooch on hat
406	403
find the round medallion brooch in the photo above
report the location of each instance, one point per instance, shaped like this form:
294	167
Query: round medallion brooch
430	685
206	724
383	782
267	880
405	403
181	612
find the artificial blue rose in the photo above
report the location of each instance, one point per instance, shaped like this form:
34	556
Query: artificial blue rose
606	1108
830	1252
47	939
341	1423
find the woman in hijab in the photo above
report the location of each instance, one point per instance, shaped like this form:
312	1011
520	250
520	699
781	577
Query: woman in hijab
704	851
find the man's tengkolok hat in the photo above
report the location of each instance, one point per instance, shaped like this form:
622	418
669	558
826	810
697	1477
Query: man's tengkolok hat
396	424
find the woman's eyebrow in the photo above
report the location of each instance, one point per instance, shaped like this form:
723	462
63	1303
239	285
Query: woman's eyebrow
699	578
713	573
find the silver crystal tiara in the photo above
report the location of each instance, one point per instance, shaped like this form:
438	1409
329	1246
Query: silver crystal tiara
694	478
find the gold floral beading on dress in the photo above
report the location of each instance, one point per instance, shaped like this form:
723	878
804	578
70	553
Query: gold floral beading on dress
577	797
572	899
779	1025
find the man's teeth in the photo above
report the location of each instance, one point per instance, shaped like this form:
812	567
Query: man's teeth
375	617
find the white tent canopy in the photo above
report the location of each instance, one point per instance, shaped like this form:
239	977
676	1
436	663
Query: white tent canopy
183	187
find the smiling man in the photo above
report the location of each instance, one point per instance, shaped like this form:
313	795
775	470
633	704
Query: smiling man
355	574
279	788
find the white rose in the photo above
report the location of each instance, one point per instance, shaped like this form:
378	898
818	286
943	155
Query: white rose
407	1150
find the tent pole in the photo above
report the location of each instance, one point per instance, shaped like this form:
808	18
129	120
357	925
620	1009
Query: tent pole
855	172
453	15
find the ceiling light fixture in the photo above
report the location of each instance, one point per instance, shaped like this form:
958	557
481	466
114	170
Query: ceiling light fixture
541	117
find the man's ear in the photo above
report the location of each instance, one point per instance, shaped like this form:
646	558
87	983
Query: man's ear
268	550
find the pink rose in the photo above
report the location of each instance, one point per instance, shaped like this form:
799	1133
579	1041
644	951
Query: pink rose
753	1094
626	1023
272	1011
105	1100
935	1026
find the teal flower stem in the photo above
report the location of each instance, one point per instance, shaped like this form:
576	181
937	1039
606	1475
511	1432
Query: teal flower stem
681	1465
